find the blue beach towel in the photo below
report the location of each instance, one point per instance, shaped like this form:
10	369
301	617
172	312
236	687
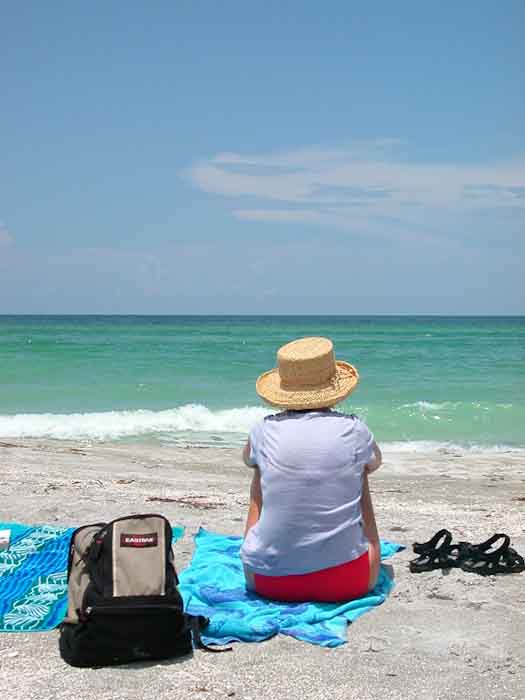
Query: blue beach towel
33	577
213	586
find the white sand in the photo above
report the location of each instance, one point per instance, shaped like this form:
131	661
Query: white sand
438	636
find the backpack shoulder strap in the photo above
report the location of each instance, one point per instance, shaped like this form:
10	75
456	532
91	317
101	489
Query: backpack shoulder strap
197	624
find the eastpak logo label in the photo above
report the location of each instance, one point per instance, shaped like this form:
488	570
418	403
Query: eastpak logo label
149	540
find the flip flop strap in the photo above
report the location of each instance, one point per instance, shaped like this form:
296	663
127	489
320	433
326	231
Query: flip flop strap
431	545
484	546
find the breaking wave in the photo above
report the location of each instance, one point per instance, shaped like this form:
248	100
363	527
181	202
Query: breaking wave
197	425
114	425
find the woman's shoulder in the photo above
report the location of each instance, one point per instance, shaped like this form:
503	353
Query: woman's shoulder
353	417
358	429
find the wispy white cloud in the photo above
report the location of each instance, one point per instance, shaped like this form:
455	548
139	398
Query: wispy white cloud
346	186
311	155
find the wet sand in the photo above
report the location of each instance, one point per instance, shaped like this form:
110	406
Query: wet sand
439	635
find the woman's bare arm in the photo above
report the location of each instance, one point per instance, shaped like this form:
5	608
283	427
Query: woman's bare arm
255	507
376	460
246	454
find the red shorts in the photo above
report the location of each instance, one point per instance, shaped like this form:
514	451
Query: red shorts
333	585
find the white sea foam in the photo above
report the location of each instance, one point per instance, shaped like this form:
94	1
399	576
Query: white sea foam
112	425
428	405
435	446
190	425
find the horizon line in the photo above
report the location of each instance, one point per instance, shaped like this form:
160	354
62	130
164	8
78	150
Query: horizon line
267	315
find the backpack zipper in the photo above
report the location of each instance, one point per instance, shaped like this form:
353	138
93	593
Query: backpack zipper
118	610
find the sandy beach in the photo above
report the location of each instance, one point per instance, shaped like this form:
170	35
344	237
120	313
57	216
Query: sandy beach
439	635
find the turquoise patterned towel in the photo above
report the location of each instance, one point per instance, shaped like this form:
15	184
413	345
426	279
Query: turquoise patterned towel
33	577
213	586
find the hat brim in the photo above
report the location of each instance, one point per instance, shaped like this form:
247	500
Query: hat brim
345	380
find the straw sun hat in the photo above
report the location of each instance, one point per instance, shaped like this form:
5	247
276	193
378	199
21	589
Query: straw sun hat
307	376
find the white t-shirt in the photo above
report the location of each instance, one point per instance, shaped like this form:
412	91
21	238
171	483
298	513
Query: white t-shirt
311	465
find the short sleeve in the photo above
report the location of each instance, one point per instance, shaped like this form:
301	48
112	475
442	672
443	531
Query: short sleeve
365	443
255	439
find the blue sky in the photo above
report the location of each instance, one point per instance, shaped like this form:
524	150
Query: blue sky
276	157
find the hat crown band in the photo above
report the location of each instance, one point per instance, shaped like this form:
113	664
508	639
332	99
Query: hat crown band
304	372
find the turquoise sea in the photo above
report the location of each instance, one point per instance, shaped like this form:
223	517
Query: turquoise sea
425	381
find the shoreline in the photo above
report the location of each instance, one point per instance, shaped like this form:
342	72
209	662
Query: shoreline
392	447
439	635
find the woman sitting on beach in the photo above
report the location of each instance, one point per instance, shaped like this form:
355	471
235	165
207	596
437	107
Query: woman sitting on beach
311	532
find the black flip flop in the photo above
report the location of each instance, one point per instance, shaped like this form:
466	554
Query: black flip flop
437	553
502	560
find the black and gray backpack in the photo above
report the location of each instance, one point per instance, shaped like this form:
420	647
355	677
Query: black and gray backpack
123	601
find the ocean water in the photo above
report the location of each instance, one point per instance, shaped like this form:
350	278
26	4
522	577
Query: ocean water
425	382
